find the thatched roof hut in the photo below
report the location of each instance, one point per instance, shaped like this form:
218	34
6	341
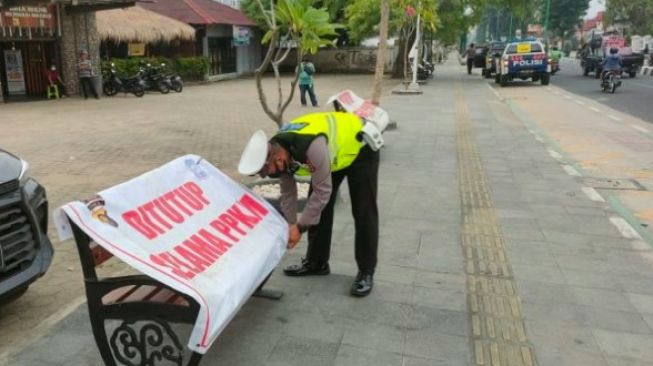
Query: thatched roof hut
135	24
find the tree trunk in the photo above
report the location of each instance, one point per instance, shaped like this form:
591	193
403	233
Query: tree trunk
380	55
404	41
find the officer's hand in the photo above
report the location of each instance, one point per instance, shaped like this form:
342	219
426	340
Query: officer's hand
294	236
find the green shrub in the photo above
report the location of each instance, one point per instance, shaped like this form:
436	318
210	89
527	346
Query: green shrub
189	68
192	68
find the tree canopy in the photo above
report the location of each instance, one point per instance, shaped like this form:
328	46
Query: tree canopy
638	13
565	15
363	16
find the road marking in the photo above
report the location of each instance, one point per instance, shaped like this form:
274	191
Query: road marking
554	154
579	102
595	109
640	245
624	228
615	118
592	194
496	93
640	129
538	138
568	97
571	170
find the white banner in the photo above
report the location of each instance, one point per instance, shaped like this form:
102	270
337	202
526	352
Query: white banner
362	108
190	226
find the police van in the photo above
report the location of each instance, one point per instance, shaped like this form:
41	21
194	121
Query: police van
524	60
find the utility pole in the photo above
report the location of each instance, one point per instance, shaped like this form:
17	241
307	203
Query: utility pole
510	30
496	28
546	24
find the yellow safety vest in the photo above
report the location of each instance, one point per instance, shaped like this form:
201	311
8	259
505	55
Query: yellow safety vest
339	128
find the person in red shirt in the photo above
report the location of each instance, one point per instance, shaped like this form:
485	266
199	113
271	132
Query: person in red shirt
53	78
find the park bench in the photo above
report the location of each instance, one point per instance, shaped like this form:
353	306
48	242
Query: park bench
144	306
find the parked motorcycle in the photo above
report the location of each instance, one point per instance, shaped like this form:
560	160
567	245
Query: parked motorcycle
176	83
114	84
154	79
610	81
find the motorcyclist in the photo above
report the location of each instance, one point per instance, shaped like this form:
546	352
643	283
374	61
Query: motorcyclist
555	54
612	62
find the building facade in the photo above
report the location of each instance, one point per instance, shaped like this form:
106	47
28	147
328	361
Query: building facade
36	35
224	35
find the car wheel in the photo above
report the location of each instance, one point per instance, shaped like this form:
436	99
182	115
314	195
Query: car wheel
504	80
545	79
586	71
497	78
597	73
632	74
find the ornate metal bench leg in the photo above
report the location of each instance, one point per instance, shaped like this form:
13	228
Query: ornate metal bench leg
267	294
195	359
99	332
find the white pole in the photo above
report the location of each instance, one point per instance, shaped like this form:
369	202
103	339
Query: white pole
415	46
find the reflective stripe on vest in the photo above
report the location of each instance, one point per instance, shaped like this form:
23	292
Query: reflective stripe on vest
339	128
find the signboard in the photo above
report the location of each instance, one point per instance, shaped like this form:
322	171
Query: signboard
15	73
28	17
136	49
241	35
190	226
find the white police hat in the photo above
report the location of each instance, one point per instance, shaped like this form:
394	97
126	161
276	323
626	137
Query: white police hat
254	155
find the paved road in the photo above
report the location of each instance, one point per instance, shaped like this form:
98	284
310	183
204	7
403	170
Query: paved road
634	98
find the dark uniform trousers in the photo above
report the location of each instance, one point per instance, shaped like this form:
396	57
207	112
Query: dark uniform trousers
362	177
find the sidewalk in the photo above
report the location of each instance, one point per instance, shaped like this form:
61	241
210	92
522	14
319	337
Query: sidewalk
490	254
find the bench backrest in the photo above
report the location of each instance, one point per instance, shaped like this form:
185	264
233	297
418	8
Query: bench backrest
91	254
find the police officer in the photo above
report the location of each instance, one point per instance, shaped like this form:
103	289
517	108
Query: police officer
328	147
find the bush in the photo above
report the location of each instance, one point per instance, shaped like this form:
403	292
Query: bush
189	68
192	68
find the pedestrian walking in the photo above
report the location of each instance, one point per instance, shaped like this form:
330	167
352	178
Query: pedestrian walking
326	147
470	52
306	83
86	74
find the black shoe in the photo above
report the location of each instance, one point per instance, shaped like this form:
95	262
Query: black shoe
308	268
363	284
